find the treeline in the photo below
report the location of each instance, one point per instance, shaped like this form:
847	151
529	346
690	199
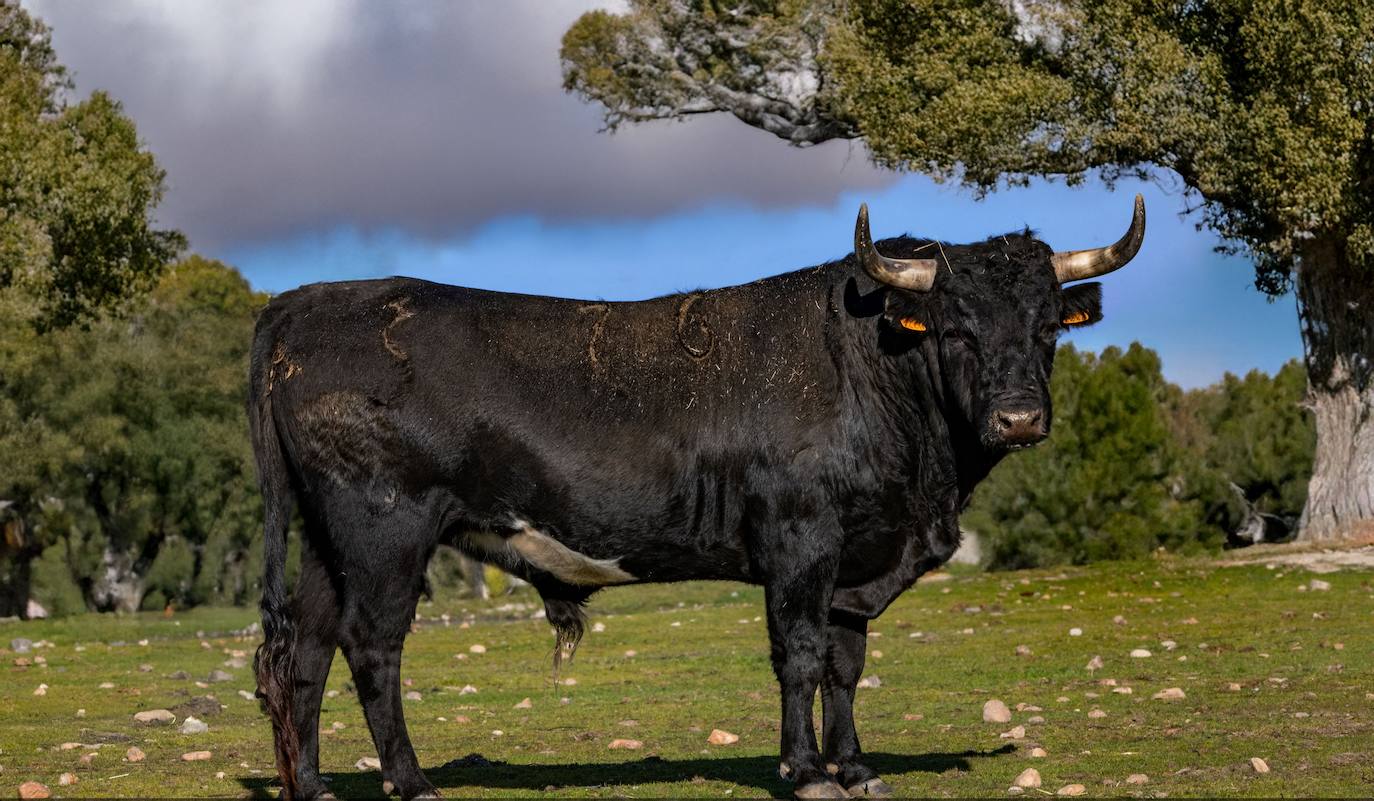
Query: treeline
1134	464
128	480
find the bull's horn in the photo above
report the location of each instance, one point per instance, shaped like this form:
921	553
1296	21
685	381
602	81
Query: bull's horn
1075	265
914	274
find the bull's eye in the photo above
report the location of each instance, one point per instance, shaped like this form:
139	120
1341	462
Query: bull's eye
1074	318
912	324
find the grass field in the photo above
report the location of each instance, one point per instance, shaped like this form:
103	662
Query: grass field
1269	670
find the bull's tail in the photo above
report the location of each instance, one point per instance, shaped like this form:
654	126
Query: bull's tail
273	662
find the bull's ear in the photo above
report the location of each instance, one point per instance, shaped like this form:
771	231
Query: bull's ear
1081	304
906	311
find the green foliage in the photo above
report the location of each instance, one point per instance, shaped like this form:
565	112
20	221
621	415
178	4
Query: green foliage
1261	109
130	449
77	190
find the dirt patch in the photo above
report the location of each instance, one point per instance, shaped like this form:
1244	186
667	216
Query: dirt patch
1317	560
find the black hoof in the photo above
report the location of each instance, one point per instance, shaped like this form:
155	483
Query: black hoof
873	788
820	790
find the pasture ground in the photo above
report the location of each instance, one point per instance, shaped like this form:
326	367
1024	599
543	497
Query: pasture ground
1270	667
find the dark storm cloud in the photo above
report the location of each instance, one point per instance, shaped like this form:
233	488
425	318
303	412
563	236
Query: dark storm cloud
276	119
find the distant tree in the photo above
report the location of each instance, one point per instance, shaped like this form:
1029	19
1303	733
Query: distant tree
77	190
133	471
1259	110
1110	483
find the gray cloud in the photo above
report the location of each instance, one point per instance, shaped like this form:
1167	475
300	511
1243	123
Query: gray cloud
274	119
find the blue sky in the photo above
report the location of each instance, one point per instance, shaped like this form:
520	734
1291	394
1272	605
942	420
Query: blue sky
331	139
1197	308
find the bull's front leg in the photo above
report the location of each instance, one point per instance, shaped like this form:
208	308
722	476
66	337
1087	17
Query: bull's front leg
798	600
847	637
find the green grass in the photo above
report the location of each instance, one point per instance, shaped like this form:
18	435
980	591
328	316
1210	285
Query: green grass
1302	661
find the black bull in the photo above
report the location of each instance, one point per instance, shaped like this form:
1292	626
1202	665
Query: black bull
816	433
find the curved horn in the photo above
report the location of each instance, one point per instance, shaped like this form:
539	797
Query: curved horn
913	274
1075	265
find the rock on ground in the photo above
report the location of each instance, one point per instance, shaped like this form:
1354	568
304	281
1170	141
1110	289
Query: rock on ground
368	763
1170	694
1028	778
525	704
134	754
1137	778
67	779
195	756
1259	765
994	711
630	744
1071	790
722	737
34	790
154	716
193	726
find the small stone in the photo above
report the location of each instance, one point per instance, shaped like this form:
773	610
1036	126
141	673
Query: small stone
145	668
154	716
195	756
86	760
598	627
1075	632
1122	690
20	645
1023	650
134	754
468	689
1028	779
1119	620
81	713
1063	699
413	696
331	694
368	763
722	737
631	654
219	676
1259	765
628	744
477	649
1168	645
1137	778
1071	790
1319	585
34	790
1035	720
1141	653
67	779
913	716
1016	733
193	726
1170	694
525	704
1014	790
219	774
1234	687
877	654
870	682
1097	714
995	711
106	685
247	696
41	690
461	719
1095	663
1039	753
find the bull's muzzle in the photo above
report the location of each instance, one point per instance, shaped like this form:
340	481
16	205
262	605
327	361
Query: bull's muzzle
1019	426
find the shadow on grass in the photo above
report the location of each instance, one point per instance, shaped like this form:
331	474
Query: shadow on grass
475	772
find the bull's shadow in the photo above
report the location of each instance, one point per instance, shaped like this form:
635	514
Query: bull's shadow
552	780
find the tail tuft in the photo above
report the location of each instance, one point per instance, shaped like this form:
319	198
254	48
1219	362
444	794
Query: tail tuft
569	622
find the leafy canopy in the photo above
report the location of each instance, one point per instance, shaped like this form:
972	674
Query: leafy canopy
1263	109
77	190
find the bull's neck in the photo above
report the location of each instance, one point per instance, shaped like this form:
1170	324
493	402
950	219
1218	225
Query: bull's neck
900	392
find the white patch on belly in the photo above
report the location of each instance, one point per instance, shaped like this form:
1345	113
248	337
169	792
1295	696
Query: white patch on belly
551	556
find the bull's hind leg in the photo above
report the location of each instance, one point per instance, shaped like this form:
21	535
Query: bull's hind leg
383	578
315	612
847	640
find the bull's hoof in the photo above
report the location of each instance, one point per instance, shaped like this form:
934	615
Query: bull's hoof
820	790
873	788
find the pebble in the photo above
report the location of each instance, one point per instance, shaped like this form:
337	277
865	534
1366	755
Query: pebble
86	760
413	696
468	689
42	690
1075	632
1259	765
1137	778
21	645
332	694
477	649
877	654
1016	733
722	737
994	711
1234	687
1097	713
598	627
870	682
525	704
1028	778
1023	650
67	779
154	716
34	790
81	713
247	696
1063	699
107	685
913	716
1071	790
1168	645
193	726
1119	620
1095	663
1122	690
629	744
1170	694
632	653
1014	790
195	756
134	754
1039	753
368	763
1319	585
1141	653
219	676
1035	720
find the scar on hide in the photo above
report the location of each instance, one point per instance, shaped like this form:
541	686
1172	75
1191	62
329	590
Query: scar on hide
603	312
282	362
402	314
692	332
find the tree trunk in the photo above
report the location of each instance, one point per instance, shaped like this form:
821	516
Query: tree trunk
1336	308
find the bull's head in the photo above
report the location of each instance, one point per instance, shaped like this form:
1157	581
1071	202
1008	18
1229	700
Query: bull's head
995	311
